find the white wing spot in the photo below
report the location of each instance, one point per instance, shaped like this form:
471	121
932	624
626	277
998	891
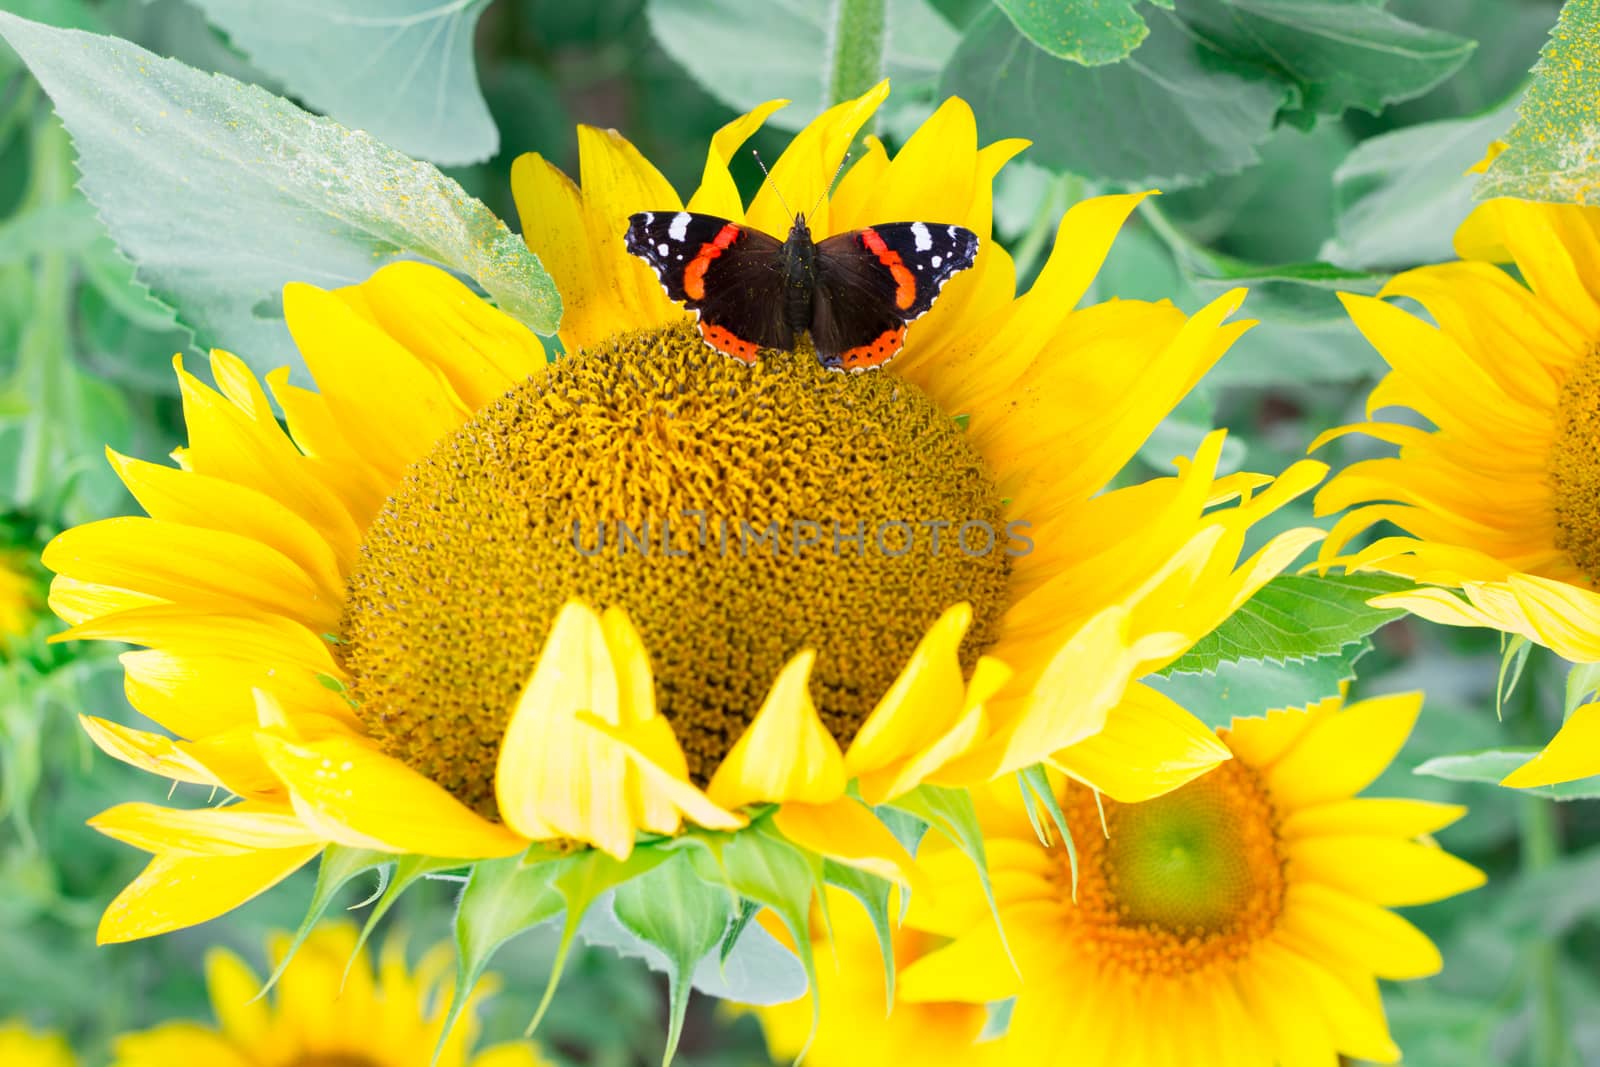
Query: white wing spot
680	226
924	238
936	260
663	248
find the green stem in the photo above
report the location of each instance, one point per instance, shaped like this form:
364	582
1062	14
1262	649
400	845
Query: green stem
42	369
1541	847
856	47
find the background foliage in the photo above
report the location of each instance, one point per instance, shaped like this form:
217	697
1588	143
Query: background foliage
1305	146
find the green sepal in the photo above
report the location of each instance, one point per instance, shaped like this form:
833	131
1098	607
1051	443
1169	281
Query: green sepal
730	936
670	908
580	878
760	864
1036	790
1514	649
407	870
501	899
873	893
1583	680
951	812
340	865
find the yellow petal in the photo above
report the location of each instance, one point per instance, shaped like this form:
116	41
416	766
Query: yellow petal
1358	934
923	702
147	751
718	195
480	350
235	1001
1372	815
847	831
551	209
177	890
1342	754
807	166
1383	870
662	795
239	829
786	754
1149	746
360	797
1573	753
213	570
398	423
188	499
557	777
974	968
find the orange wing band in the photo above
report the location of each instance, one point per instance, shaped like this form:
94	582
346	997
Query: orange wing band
694	275
724	340
905	285
875	354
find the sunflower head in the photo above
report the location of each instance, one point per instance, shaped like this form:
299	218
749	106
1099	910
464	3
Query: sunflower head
22	1046
329	1008
737	514
1242	918
1499	501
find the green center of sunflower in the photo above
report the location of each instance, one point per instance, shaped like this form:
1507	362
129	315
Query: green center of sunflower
1180	882
738	514
1575	467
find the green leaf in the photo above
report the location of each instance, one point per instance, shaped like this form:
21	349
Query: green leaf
269	194
1177	111
745	61
672	909
1340	53
1493	764
1553	151
1091	32
1401	195
754	969
1249	688
400	69
1295	617
69	226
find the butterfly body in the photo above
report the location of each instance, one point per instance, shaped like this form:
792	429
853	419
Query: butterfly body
854	293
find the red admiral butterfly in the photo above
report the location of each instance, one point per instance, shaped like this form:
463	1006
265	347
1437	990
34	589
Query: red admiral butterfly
854	292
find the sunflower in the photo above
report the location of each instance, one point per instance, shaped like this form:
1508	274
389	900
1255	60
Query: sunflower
388	626
855	1027
1500	499
328	1009
1238	921
24	1047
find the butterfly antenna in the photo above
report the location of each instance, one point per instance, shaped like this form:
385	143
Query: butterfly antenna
768	175
827	188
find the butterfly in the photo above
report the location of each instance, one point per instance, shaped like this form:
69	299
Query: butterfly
854	293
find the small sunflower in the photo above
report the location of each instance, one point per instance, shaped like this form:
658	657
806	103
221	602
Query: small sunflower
20	602
389	627
328	1009
1500	499
1240	921
21	1046
855	1027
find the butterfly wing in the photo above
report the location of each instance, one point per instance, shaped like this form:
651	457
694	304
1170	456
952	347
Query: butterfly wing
729	275
872	283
